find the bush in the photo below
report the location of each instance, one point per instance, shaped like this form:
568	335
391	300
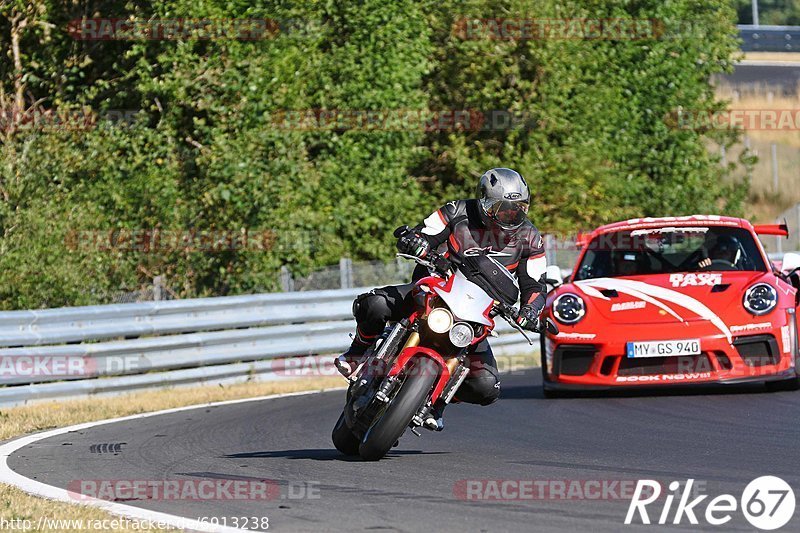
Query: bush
210	149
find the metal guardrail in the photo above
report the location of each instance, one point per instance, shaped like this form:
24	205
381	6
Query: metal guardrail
108	349
769	38
116	348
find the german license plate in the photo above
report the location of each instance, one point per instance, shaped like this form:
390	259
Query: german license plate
672	348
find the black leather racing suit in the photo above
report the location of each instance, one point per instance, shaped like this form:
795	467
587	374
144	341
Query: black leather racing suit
456	227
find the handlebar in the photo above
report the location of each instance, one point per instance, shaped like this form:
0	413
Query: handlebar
439	264
434	261
507	312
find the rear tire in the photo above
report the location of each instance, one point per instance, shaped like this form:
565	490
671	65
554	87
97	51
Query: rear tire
386	430
343	438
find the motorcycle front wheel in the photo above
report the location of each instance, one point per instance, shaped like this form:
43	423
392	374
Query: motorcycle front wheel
389	427
343	438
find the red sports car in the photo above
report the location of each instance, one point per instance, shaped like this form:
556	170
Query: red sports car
675	300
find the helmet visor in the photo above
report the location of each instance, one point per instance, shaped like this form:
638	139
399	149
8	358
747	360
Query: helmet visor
506	213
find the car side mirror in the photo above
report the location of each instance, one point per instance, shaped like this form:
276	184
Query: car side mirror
791	262
553	276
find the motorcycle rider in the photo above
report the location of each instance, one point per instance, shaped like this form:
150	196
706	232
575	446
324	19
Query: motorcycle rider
496	222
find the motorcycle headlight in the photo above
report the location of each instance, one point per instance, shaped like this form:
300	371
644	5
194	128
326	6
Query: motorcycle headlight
440	320
461	335
760	299
569	308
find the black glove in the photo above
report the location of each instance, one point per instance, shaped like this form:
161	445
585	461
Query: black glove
413	243
528	318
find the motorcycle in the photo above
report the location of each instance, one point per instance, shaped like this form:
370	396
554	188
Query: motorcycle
422	360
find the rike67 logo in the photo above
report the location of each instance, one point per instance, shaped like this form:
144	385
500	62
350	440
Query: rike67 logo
767	503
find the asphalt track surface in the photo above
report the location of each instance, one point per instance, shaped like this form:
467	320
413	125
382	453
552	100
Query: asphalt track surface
721	438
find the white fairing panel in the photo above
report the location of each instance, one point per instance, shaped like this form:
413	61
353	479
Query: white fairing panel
466	300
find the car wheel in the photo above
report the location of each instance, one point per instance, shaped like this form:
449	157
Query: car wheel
791	384
547	392
552	394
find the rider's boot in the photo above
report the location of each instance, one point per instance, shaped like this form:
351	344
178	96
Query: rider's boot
348	362
434	421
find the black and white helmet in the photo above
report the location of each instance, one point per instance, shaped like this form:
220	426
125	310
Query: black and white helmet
504	197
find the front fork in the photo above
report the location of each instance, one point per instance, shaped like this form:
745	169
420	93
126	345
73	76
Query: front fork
388	383
386	353
458	368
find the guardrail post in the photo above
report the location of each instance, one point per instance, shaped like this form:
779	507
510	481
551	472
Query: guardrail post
755	12
158	288
346	272
775	167
550	249
287	283
797	232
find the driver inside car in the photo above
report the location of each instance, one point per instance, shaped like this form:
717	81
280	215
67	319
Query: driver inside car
628	263
497	223
726	249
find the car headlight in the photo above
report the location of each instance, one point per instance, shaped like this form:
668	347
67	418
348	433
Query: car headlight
461	334
760	299
440	320
569	308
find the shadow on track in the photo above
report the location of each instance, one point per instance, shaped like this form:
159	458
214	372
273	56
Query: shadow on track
534	392
317	454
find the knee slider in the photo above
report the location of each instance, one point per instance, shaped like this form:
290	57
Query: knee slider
370	307
488	388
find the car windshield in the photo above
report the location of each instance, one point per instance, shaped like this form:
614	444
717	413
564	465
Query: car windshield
668	250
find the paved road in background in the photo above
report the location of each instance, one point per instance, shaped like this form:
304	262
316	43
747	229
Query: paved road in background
785	77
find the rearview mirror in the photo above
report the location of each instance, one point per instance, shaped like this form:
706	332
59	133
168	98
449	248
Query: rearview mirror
402	230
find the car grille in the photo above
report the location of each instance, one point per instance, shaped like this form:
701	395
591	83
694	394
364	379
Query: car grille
572	360
757	350
644	366
723	360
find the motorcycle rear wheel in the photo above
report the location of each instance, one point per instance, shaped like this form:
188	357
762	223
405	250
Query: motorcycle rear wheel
343	438
389	427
